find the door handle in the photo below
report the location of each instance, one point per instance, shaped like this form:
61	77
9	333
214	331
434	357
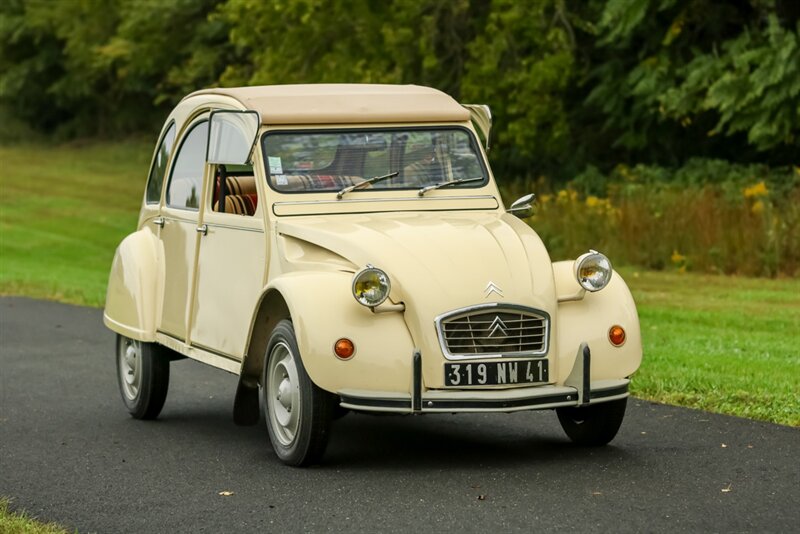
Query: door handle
202	229
159	221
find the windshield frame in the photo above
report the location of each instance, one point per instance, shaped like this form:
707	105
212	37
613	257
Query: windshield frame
473	142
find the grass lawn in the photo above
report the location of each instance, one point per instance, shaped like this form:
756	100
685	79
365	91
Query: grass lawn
20	523
723	344
63	210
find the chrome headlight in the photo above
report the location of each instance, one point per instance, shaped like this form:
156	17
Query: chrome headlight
371	286
593	271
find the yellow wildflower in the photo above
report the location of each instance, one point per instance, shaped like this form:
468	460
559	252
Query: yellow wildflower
677	257
758	207
757	190
676	28
592	201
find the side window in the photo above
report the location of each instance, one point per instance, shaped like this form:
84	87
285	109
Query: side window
186	180
159	169
240	193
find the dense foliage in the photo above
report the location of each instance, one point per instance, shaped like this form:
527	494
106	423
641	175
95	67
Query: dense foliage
571	83
707	215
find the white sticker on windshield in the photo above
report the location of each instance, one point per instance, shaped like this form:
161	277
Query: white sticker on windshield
275	165
281	180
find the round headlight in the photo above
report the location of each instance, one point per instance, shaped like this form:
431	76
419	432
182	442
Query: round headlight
593	271
371	286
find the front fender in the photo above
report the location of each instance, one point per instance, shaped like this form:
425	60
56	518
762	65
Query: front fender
589	320
132	295
323	310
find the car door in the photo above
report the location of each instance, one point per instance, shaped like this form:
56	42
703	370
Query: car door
179	236
231	266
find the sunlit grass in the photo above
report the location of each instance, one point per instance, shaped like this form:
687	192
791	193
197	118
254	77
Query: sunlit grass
20	523
63	210
723	344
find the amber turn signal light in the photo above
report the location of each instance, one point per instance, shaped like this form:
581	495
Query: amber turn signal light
616	335
344	349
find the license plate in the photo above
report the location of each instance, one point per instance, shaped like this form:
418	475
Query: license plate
495	373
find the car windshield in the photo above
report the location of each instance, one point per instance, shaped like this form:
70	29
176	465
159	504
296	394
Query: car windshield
314	161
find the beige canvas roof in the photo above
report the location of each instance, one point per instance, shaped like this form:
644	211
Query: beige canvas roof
344	103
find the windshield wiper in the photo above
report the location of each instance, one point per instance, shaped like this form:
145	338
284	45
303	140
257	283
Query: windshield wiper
425	189
368	181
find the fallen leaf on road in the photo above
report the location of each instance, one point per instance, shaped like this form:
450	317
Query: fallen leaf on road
724	446
226	493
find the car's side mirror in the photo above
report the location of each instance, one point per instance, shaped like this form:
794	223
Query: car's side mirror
231	137
523	206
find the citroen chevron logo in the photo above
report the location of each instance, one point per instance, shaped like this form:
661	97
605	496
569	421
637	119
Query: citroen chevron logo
492	288
498	327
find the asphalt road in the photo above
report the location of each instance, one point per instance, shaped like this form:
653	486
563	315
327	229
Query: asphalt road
69	452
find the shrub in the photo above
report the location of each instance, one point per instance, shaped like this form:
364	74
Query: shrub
708	215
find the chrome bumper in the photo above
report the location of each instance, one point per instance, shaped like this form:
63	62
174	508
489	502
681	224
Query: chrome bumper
577	391
504	400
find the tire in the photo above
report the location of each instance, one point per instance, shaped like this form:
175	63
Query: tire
142	376
594	425
298	413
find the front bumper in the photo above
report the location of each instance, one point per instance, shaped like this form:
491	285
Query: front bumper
502	400
578	390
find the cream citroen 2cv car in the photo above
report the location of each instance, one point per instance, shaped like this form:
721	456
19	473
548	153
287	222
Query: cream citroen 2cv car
345	247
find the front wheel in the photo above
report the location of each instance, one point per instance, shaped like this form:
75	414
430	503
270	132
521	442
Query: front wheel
298	413
593	425
142	376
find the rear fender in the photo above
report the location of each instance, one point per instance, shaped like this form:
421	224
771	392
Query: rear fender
133	287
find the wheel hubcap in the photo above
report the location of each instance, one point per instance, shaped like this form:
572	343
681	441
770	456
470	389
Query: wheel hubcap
130	368
283	394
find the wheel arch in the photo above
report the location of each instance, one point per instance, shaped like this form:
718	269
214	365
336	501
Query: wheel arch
322	309
270	310
272	307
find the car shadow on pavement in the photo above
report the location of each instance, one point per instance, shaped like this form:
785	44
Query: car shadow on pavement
361	441
492	440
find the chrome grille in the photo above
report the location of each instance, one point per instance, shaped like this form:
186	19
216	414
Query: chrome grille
493	331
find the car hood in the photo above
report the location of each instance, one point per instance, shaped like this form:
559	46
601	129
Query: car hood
440	261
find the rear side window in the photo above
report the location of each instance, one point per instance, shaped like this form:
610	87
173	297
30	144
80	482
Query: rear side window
186	180
159	169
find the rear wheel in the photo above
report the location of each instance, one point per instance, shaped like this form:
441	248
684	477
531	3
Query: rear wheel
142	376
593	425
298	413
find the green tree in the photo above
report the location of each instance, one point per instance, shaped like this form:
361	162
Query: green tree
104	67
521	64
674	79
